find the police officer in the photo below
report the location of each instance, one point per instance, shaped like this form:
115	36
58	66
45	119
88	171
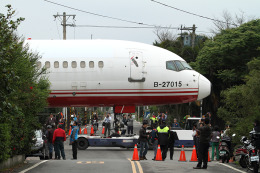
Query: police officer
163	138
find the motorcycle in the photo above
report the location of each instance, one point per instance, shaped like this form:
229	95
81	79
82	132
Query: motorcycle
224	149
253	153
242	153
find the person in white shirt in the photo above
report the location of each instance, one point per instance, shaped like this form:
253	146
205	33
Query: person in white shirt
107	121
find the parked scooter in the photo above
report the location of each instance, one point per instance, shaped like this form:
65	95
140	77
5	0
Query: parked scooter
252	158
225	151
242	153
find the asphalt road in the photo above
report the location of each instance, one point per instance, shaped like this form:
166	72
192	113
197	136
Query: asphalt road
118	160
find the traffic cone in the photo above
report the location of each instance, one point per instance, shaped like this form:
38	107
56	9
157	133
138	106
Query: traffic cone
135	154
158	154
80	131
194	155
182	156
85	130
103	130
70	131
92	130
208	157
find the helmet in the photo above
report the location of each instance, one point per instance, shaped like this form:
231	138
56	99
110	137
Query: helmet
72	116
49	127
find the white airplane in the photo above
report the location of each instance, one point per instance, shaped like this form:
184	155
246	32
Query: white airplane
116	73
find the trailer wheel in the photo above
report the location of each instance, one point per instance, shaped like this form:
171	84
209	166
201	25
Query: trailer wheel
82	143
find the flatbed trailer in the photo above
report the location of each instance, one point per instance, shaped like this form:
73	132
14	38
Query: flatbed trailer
85	141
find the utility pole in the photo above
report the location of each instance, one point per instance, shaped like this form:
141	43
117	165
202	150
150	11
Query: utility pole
64	22
193	28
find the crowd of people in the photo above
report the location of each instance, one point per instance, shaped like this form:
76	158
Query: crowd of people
56	136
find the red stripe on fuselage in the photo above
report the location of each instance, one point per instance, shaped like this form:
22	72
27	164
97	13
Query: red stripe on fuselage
78	101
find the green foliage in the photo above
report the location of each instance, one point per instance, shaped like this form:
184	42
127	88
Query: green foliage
241	104
223	60
23	92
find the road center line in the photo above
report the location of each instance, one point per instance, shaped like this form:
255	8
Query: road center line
133	166
232	168
139	167
34	166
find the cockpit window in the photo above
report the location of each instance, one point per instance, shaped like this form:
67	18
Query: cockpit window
179	65
186	65
170	65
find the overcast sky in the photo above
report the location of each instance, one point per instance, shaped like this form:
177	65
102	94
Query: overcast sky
40	24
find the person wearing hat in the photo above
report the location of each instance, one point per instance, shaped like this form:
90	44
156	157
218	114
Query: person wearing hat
163	134
143	139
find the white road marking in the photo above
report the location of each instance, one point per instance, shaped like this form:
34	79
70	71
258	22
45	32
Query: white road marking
232	168
34	166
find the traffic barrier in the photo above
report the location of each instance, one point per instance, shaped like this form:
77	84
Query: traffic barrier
135	154
70	131
103	130
85	130
80	131
194	155
182	156
158	154
208	157
92	131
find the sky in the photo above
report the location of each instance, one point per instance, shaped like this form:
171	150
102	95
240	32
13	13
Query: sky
40	23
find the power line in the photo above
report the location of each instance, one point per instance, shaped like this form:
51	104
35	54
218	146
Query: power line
100	15
192	13
126	27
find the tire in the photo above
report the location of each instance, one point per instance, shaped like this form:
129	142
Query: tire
242	162
42	157
228	158
223	159
255	167
82	144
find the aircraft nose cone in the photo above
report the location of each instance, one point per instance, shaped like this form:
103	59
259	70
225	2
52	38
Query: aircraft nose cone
204	87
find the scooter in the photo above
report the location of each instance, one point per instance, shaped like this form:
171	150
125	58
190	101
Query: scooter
242	153
224	152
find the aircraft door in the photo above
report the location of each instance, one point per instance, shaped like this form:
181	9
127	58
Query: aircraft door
136	67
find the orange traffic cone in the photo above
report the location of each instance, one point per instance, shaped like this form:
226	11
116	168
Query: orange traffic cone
85	130
135	154
103	130
182	156
208	157
92	130
70	131
158	154
194	155
80	131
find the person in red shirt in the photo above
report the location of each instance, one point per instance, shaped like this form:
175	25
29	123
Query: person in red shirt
59	137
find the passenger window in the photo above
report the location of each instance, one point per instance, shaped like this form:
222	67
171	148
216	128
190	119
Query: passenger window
56	64
74	64
39	65
47	64
179	65
82	64
91	64
170	65
100	64
65	64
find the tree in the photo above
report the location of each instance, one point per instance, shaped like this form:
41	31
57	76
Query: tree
23	90
223	59
241	104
